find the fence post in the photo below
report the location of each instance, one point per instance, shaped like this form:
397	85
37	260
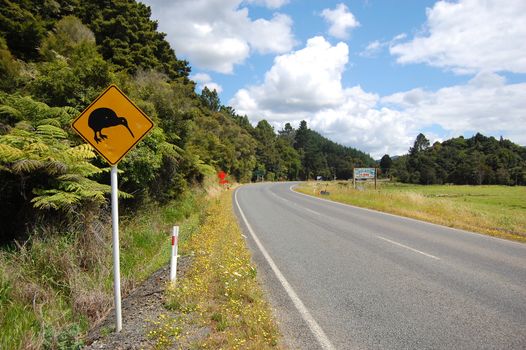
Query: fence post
173	260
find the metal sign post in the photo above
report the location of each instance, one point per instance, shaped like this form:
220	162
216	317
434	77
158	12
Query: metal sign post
124	125
116	254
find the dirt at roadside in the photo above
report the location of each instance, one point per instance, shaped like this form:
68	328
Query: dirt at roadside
139	309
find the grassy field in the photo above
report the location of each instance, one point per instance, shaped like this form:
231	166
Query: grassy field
494	210
220	292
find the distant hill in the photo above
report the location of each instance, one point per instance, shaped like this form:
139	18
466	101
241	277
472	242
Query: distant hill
475	161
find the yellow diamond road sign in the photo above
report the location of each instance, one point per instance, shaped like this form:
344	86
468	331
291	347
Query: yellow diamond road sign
112	124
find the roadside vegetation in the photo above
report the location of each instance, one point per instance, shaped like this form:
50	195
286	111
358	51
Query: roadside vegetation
494	210
56	285
219	294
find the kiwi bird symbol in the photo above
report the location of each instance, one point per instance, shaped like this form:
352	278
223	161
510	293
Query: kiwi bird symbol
104	118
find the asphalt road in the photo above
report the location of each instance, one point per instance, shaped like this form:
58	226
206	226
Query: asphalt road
341	277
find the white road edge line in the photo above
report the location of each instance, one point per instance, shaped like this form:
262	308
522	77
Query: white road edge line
404	246
315	328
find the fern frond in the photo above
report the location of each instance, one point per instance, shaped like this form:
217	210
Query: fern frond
55	199
171	149
10	154
26	166
84	168
50	121
71	111
124	195
54	167
83	151
70	177
202	167
37	148
25	126
51	132
9	114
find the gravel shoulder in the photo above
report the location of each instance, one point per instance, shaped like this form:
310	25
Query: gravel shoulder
139	309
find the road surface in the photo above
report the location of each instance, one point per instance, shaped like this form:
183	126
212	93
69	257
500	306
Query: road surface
341	277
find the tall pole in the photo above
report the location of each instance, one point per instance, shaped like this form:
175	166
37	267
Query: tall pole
116	258
375	176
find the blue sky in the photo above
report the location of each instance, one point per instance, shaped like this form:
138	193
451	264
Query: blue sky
369	74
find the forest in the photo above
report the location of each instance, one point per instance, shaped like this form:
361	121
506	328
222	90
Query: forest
478	160
56	57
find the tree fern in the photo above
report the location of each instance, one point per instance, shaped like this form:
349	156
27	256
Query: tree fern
38	148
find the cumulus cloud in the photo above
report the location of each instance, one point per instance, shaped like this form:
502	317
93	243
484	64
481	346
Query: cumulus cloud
272	4
304	80
218	34
341	21
486	104
307	85
469	36
203	79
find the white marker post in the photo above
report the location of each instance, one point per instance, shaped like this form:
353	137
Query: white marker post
116	258
173	260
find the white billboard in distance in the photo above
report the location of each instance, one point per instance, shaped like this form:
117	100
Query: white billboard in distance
364	173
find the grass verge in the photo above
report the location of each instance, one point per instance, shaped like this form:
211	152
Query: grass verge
219	297
58	284
493	210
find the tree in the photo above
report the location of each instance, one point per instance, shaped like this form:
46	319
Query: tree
300	139
474	161
266	151
210	99
288	134
421	144
385	164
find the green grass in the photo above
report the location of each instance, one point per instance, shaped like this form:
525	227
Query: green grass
495	210
54	286
148	235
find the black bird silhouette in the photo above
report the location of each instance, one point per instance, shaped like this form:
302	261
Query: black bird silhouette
104	118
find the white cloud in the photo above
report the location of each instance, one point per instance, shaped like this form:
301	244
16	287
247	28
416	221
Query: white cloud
306	85
272	4
469	36
341	20
305	80
486	104
373	49
273	36
218	34
203	79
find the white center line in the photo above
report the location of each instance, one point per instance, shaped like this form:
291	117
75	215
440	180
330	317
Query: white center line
404	246
315	328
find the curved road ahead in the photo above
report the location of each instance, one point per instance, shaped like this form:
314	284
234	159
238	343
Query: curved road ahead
341	277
